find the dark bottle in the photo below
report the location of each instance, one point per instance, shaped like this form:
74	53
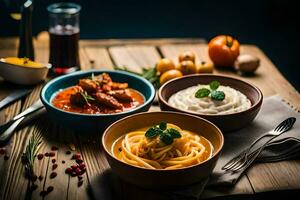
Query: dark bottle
25	42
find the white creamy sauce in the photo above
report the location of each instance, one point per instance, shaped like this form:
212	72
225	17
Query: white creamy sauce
234	101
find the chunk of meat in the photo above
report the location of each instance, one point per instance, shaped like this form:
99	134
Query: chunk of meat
103	78
107	100
121	95
119	86
88	85
77	99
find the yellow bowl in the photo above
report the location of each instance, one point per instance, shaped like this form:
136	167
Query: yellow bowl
23	75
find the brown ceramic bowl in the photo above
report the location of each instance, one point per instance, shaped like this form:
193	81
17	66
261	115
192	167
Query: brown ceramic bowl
226	122
159	178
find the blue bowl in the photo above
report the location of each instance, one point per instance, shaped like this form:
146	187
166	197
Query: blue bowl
93	122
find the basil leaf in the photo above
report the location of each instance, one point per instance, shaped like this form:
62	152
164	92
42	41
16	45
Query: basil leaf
163	126
174	133
152	132
166	138
214	85
217	95
203	92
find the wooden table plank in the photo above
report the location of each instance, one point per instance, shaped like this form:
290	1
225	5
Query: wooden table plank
134	57
133	53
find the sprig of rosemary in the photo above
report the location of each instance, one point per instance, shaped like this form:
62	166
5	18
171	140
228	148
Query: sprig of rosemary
86	97
148	73
30	153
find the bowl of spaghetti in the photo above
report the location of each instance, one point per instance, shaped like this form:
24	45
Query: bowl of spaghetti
162	149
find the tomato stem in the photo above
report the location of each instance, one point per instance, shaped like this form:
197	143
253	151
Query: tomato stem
229	41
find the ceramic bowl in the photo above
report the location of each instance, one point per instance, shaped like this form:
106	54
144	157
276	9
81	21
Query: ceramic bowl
160	178
23	75
226	122
93	122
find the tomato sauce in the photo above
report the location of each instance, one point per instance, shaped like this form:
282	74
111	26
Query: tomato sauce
62	101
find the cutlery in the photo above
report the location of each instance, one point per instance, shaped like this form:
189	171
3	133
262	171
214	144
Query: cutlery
8	128
15	95
241	160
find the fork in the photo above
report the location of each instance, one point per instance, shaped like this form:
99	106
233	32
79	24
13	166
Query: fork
241	160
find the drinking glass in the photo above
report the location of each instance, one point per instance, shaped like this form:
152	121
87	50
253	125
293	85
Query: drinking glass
64	37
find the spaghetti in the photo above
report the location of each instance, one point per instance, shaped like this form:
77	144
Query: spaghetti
136	149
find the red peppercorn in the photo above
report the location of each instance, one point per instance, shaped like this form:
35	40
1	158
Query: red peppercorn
73	174
69	170
63	162
76	156
53	175
53	160
82	166
54	148
79	161
41	177
40	156
46	154
74	167
80	178
54	166
78	171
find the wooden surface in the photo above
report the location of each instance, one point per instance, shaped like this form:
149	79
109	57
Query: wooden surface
132	53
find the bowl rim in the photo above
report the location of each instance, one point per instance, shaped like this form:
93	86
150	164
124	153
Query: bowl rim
148	101
171	113
45	65
253	106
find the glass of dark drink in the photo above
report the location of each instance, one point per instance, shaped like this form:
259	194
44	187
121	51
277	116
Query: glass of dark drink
64	37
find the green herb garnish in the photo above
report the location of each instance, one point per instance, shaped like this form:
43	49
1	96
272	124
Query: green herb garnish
203	92
30	153
166	135
217	95
86	97
213	92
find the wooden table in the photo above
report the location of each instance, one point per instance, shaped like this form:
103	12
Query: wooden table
97	54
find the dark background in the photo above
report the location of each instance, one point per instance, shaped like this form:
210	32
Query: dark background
269	24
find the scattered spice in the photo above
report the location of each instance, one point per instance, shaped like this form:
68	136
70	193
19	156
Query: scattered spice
33	178
2	151
6	157
50	189
53	175
79	161
68	152
33	187
54	148
80	178
53	160
40	156
51	154
47	154
43	193
41	177
80	183
63	162
54	166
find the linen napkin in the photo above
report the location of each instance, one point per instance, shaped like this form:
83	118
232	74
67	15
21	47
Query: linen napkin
108	186
273	111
